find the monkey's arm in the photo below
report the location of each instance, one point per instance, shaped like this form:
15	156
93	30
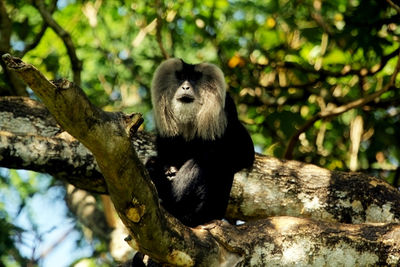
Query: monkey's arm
158	174
189	194
200	192
238	146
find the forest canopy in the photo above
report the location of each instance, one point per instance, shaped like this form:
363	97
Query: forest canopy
313	80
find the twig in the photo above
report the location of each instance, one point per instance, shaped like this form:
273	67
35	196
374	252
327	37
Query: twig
299	86
35	42
5	28
159	30
339	110
321	22
394	5
39	36
55	244
76	64
344	72
15	86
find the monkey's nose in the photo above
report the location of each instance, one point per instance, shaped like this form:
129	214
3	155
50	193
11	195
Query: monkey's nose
186	85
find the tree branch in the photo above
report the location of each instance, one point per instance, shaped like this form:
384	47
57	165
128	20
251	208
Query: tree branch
280	240
270	188
41	155
76	64
40	34
154	231
344	72
5	28
159	29
16	86
328	113
392	4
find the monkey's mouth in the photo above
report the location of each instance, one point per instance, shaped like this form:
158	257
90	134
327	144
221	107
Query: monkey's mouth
186	98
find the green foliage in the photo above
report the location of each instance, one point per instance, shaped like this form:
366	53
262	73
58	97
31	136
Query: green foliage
17	189
9	253
284	61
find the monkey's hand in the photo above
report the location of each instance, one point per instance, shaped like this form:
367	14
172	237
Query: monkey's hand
170	173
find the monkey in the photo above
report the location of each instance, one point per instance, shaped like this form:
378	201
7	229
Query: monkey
200	141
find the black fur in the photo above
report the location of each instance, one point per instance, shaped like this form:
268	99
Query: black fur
194	177
188	73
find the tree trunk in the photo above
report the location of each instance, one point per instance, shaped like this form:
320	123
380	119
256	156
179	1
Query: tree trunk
272	187
31	139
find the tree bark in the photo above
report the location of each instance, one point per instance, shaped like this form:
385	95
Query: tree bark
271	187
31	139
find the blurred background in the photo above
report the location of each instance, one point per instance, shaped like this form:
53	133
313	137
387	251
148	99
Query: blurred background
312	81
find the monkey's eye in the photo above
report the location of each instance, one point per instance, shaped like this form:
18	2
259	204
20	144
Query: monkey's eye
179	75
196	75
191	76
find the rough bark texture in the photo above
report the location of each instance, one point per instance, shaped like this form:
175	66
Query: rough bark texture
31	139
272	187
286	187
289	241
107	135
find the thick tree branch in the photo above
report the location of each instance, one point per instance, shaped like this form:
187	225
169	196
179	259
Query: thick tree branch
272	187
280	240
134	196
45	154
31	139
289	241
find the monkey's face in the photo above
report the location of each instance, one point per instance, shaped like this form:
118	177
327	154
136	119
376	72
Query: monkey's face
189	100
186	101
